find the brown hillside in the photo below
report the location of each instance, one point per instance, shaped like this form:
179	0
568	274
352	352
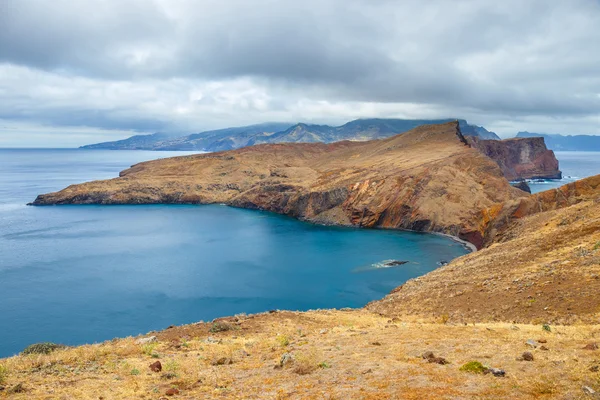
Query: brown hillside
543	266
427	179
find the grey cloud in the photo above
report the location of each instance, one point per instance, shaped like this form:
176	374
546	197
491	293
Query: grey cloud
181	62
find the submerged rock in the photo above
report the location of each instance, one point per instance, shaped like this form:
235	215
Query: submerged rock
393	263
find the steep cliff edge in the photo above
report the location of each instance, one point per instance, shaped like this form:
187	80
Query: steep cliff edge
520	158
427	179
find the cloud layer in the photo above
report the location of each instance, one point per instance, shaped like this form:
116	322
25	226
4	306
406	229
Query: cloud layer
107	67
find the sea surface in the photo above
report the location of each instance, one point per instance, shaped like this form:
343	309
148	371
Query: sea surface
574	165
83	274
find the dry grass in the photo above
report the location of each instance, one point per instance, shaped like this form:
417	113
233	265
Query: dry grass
341	362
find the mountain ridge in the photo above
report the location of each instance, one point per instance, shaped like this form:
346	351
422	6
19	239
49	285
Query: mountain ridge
237	137
559	142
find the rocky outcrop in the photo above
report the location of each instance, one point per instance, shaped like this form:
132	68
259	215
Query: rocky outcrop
523	185
520	158
427	179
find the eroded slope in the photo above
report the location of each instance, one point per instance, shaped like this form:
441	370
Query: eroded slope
543	265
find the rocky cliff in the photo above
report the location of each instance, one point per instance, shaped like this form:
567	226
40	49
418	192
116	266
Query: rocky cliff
427	179
520	158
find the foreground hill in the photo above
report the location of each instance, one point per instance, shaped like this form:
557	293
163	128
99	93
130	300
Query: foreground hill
427	179
540	267
566	142
234	138
541	264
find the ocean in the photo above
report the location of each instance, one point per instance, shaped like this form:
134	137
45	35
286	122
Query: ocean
574	165
83	274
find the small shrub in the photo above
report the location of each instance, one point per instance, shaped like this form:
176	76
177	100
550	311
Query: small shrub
283	340
474	367
171	366
43	348
444	318
305	363
148	348
220	327
135	371
597	246
3	373
547	328
543	386
324	364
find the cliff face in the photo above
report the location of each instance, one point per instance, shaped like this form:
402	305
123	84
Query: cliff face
427	179
520	158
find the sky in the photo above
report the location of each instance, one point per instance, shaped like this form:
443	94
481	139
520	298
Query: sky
80	72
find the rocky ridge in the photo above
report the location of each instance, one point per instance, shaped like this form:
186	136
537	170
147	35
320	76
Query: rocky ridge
234	138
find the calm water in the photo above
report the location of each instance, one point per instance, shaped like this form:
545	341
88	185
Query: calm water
574	165
77	274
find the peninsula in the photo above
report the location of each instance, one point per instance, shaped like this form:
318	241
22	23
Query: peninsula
427	179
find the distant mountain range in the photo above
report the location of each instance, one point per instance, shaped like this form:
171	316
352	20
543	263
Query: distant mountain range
233	138
566	142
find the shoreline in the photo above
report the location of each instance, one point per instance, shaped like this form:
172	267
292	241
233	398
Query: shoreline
470	246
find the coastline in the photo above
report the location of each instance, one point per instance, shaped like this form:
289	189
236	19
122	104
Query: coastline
465	243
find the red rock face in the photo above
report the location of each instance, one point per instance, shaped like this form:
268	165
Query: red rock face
522	158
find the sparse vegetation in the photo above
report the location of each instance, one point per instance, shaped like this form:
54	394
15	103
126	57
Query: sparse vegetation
43	348
335	365
3	373
543	387
547	328
283	340
148	348
220	327
305	362
474	367
171	365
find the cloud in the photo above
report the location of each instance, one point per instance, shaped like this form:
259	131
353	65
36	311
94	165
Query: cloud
190	65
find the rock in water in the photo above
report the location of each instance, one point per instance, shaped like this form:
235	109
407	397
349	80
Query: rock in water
393	263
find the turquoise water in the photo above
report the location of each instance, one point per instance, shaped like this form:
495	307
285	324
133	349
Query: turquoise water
81	274
574	165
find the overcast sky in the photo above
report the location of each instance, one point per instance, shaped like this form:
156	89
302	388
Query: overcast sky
78	72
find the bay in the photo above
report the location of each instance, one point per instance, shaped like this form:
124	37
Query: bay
82	274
